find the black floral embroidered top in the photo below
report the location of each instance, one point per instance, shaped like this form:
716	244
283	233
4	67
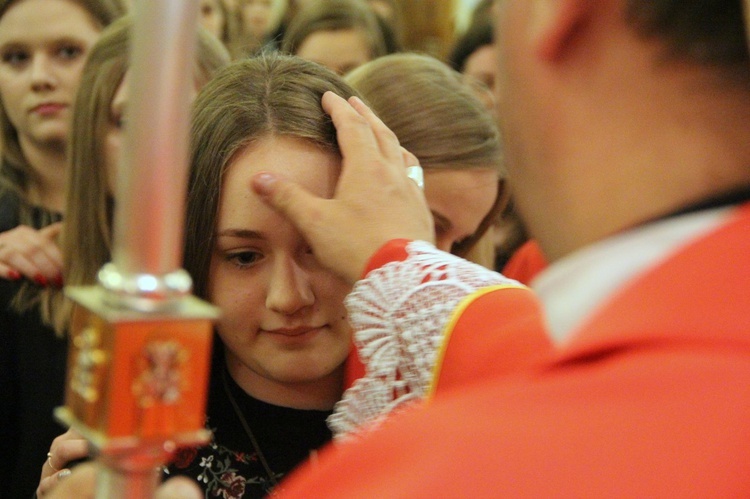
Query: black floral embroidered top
229	467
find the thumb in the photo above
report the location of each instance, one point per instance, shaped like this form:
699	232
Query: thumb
80	484
178	488
289	199
51	231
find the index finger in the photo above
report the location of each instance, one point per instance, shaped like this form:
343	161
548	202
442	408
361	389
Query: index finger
368	148
387	140
354	133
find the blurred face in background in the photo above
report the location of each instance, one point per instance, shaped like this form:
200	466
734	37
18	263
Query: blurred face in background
339	50
459	200
213	17
481	68
43	47
257	16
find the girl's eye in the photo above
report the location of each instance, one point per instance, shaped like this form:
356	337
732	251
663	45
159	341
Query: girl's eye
15	58
243	259
70	52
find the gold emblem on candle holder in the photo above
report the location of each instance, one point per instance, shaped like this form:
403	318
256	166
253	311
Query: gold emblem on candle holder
88	367
161	379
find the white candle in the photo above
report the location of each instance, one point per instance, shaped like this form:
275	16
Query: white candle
152	181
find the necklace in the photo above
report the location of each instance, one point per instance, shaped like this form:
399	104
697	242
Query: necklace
248	431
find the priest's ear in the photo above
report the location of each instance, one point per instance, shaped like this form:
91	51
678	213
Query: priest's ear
556	25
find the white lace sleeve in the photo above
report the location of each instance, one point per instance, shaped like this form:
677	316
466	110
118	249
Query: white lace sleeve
399	313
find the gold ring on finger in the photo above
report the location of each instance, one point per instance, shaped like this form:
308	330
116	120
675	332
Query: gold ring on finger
49	462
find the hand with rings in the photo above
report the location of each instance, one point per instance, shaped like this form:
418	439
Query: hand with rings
68	447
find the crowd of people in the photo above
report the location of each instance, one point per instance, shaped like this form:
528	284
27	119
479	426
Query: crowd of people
559	308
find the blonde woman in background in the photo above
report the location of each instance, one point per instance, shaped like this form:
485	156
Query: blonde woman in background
436	116
44	45
32	360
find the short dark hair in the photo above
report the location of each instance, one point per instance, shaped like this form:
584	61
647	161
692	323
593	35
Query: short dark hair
710	32
476	36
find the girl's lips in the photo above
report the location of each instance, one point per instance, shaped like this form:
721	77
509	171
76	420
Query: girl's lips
48	108
292	334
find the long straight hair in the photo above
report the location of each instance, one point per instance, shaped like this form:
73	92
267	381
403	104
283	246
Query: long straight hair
86	238
15	171
438	118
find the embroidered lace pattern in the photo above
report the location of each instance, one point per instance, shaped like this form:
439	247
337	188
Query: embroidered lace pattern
399	313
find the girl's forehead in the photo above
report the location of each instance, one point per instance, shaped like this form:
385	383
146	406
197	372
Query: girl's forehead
39	22
297	159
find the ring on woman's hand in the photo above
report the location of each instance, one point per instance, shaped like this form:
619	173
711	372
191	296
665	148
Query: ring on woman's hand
416	174
49	462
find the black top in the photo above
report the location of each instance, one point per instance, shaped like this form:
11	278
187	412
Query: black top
229	467
32	377
9	206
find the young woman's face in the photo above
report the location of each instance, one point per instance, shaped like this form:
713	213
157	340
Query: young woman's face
459	201
212	17
283	320
480	68
339	50
256	16
43	47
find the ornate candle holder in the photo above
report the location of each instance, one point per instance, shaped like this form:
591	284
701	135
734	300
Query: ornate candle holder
136	385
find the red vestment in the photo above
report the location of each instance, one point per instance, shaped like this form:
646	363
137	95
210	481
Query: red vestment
650	398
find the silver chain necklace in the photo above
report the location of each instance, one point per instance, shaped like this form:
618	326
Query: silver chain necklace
248	431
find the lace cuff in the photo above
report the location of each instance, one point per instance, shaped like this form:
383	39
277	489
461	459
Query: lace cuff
399	313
